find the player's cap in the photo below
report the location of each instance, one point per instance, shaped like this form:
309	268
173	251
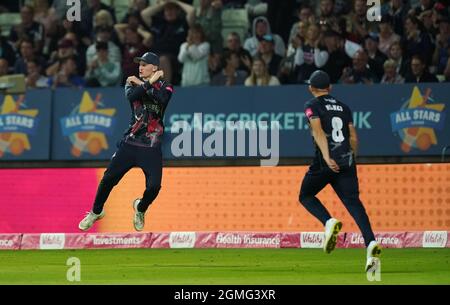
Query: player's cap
149	57
319	80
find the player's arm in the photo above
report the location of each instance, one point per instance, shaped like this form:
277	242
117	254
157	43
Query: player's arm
353	138
321	140
157	89
133	88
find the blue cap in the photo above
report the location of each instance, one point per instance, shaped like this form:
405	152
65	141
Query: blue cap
268	38
149	57
319	80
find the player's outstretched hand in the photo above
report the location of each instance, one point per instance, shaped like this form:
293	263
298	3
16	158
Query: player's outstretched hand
332	165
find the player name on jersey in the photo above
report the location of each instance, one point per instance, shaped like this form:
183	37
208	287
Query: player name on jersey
334	107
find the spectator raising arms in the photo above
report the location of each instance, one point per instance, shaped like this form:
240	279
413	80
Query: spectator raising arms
309	57
260	75
194	56
169	32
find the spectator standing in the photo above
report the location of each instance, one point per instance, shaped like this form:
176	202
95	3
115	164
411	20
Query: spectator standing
194	57
309	57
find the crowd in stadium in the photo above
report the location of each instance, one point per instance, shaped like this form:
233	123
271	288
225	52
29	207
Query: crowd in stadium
284	43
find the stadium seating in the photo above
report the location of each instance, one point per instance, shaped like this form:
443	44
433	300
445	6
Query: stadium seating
235	20
7	21
120	7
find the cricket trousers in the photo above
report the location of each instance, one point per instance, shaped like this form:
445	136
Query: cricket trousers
149	159
345	184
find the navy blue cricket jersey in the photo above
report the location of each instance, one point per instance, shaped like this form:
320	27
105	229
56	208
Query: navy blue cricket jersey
334	117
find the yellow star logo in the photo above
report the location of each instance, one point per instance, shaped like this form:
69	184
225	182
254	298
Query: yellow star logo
17	142
92	141
423	137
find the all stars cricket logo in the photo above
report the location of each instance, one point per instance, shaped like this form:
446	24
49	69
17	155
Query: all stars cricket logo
417	121
87	126
17	123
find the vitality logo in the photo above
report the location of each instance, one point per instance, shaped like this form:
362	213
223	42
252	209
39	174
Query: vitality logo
17	123
417	121
87	126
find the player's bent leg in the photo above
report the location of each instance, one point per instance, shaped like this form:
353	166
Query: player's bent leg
141	205
89	220
312	184
332	229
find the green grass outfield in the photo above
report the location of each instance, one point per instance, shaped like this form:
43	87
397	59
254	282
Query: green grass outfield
224	266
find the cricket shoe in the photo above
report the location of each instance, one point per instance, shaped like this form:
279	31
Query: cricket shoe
89	219
332	228
373	255
139	217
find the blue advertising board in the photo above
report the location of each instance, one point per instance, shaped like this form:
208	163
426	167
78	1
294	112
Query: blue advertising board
88	123
392	120
25	126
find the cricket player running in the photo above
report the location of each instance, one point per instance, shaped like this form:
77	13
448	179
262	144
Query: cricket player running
140	146
336	144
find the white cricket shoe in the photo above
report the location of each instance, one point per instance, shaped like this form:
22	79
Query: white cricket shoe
373	255
89	219
139	217
332	228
